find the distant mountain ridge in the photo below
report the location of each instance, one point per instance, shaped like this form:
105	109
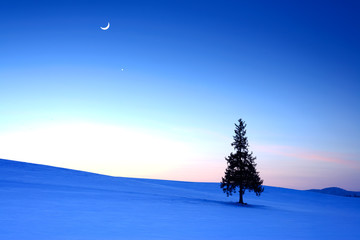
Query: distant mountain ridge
336	191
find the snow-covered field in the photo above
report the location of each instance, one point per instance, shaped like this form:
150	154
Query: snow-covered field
42	202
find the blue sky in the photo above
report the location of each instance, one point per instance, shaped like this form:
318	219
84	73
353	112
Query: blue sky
290	69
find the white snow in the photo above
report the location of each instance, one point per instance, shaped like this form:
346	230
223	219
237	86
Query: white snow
42	202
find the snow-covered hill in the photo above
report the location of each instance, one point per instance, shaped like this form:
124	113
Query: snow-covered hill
337	191
42	202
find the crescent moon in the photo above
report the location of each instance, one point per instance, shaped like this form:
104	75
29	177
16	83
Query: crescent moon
106	28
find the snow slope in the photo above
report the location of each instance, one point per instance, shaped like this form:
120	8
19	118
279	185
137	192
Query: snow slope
42	202
337	191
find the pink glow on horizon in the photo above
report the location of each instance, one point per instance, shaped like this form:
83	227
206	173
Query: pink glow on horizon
310	155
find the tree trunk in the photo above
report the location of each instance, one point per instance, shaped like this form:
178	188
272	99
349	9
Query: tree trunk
241	196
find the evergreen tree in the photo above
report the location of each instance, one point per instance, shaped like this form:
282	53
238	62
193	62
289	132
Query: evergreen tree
241	171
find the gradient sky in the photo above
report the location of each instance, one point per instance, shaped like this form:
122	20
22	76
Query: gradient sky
191	69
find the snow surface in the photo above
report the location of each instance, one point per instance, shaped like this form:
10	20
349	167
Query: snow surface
337	191
42	202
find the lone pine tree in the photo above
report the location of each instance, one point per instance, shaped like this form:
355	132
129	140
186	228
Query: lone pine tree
241	171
